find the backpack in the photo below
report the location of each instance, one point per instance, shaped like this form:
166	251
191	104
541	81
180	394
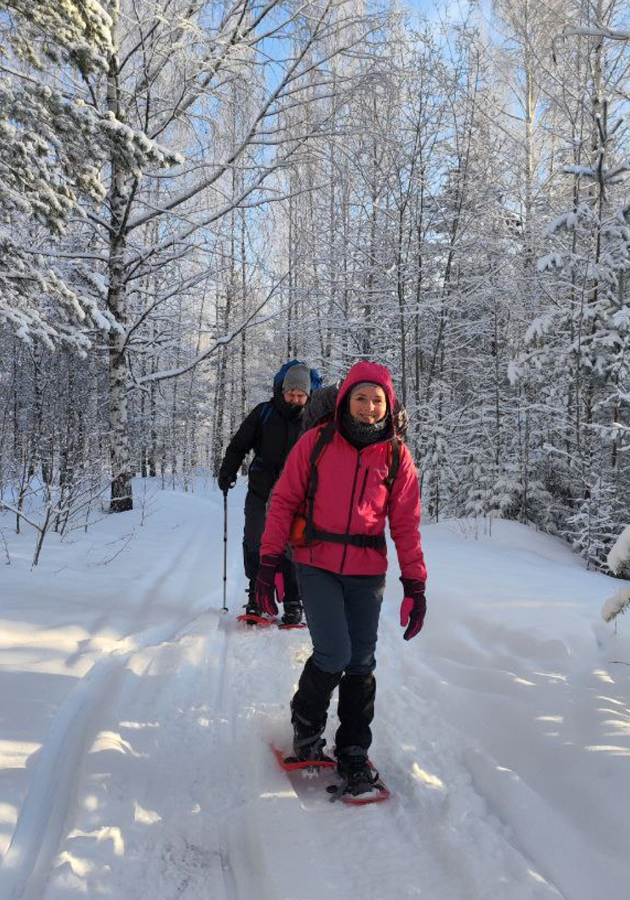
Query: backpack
303	531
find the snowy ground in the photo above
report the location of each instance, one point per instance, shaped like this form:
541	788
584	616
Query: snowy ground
135	716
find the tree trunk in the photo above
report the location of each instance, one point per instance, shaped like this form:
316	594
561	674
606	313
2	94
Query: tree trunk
120	456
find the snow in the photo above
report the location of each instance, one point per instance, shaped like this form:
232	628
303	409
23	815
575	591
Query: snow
618	559
136	716
588	171
619	555
616	604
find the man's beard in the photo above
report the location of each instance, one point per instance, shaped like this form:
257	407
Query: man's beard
295	410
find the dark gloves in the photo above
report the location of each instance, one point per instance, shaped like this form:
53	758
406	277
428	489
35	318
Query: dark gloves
266	585
225	482
413	608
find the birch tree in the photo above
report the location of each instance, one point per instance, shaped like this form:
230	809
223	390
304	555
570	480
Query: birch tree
171	71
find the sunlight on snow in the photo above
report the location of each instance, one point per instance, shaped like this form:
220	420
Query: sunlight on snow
271	795
618	727
80	867
8	814
109	740
554	720
139	725
22	639
106	833
536	876
614	703
603	676
145	816
552	676
431	781
611	749
14	754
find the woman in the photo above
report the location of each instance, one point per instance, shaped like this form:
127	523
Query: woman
341	568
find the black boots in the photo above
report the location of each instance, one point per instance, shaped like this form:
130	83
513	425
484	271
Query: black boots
292	607
355	771
292	612
354	736
309	710
251	607
252	563
356	711
308	742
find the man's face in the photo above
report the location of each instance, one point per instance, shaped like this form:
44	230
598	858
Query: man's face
295	397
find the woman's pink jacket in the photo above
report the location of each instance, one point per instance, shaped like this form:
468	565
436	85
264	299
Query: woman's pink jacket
351	498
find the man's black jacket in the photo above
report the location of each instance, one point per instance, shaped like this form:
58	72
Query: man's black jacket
270	430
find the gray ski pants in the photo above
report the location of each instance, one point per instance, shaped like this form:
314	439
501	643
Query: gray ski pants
342	613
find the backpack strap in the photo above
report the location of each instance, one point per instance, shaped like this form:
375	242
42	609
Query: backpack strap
370	541
265	413
393	461
325	435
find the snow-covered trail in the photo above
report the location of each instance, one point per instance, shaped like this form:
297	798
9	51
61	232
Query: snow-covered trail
180	797
143	612
502	732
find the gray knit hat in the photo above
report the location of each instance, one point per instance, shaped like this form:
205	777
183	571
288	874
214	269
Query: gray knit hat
297	378
355	387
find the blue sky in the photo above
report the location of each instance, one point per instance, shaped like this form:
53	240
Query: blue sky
434	8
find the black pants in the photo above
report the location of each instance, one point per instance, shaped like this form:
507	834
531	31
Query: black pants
255	514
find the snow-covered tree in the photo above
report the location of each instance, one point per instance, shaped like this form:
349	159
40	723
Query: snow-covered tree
578	344
54	144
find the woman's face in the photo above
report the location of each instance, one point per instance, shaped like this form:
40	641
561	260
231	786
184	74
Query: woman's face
368	404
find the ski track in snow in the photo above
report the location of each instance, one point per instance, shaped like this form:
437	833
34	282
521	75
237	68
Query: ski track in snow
39	829
155	780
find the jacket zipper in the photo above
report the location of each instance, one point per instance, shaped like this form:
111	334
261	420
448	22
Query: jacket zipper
362	494
354	486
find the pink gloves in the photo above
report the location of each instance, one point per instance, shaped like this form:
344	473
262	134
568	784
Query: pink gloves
266	585
413	608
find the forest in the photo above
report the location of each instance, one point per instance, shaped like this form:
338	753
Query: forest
192	193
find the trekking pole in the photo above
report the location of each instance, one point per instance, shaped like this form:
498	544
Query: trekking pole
225	609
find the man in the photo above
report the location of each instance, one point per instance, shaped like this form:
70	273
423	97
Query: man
270	430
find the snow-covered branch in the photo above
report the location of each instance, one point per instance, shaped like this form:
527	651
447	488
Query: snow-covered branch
252	321
619	556
616	604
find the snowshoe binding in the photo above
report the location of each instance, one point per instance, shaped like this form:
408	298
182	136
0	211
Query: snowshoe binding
292	617
252	615
360	782
308	743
